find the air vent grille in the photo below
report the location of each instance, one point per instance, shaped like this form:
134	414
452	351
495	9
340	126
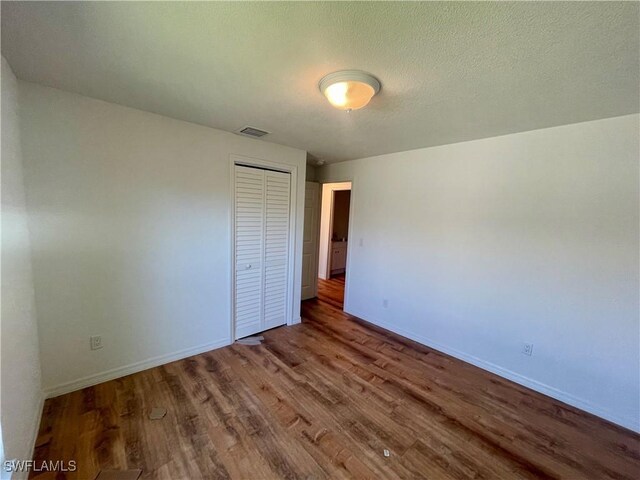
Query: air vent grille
252	132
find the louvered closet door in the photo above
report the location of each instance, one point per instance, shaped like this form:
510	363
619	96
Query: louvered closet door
277	186
262	201
249	247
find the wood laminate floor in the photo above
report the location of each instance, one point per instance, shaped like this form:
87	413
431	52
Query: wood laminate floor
324	399
331	291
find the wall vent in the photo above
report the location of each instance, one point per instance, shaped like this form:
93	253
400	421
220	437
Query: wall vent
252	132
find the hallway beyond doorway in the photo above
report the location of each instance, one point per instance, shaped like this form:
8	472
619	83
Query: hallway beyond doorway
331	291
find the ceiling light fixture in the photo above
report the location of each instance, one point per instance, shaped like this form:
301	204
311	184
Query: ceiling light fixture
349	89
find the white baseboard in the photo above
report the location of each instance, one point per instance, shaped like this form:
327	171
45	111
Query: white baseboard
296	321
118	372
582	404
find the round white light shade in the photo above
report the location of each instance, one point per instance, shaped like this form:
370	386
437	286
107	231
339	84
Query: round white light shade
349	89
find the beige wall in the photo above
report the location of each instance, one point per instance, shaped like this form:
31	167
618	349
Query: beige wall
21	386
130	219
311	173
481	246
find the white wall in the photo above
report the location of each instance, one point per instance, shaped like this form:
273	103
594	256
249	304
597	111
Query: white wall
130	222
21	396
311	173
532	237
325	225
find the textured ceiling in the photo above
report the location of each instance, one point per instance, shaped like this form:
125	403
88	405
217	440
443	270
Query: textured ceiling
449	71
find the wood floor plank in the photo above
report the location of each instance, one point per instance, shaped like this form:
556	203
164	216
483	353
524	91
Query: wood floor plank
322	400
293	413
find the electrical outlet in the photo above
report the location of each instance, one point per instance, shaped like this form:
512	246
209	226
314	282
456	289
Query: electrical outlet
95	342
385	303
527	349
361	242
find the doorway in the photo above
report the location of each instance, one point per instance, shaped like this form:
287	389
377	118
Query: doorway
334	242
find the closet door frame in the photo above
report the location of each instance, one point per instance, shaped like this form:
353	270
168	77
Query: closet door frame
293	195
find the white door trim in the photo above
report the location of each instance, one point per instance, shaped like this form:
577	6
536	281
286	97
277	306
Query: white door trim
234	160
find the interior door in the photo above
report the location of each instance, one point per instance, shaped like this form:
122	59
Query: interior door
261	240
310	240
